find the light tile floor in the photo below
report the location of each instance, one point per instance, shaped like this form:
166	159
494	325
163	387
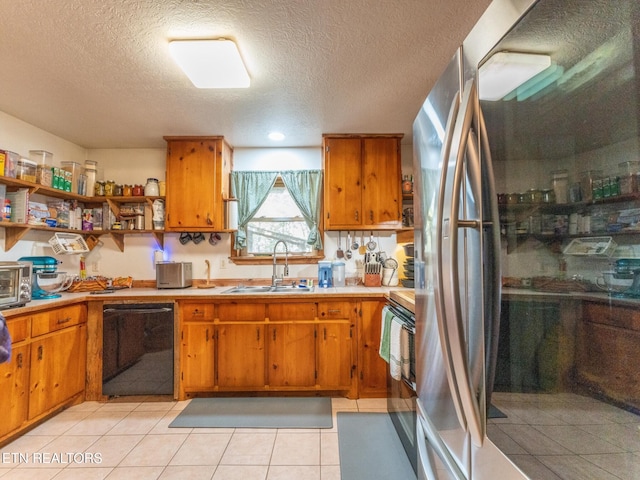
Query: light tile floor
567	436
132	440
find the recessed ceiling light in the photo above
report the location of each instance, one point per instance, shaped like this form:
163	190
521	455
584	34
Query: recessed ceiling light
210	63
276	136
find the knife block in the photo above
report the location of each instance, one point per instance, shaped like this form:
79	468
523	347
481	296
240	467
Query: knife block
371	279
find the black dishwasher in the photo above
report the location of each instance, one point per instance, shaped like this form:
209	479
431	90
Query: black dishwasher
137	349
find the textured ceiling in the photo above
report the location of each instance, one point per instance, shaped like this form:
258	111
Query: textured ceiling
99	74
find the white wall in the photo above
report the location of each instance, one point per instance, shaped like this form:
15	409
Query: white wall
131	166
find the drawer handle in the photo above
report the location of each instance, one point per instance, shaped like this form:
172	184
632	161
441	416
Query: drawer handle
196	312
335	311
40	352
19	360
207	334
325	334
257	334
63	320
371	215
209	221
357	216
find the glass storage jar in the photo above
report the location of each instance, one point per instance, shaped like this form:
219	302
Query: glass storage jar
560	183
152	189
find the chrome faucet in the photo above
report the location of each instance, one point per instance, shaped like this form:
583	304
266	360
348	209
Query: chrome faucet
275	280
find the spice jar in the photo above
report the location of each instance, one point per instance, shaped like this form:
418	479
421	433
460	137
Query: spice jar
152	189
127	190
109	188
117	190
137	190
99	189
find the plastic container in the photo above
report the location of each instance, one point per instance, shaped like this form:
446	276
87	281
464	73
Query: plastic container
75	169
26	170
338	273
587	179
41	157
629	172
560	183
324	274
91	171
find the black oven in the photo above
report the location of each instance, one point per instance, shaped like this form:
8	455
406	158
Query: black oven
401	392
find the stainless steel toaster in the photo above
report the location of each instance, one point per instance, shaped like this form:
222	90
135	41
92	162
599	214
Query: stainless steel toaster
174	274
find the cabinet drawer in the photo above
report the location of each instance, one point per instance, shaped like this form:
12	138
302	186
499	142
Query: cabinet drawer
58	318
196	311
292	311
335	309
622	317
241	312
18	328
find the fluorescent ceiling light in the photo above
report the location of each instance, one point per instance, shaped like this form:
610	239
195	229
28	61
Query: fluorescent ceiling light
276	136
505	71
210	63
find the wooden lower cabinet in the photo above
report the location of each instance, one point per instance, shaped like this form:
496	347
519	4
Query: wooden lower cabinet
197	356
57	368
292	355
372	369
47	369
267	346
335	354
607	353
241	358
14	385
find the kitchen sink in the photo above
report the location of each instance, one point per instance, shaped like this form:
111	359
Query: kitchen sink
268	289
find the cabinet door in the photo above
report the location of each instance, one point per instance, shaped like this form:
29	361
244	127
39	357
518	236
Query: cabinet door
197	356
194	169
381	183
292	355
373	369
240	355
58	368
342	183
334	355
14	385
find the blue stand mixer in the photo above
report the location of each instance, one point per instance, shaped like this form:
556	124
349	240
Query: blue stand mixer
47	281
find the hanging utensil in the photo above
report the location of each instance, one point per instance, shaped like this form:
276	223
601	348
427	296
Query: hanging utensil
340	252
371	245
363	248
348	254
354	245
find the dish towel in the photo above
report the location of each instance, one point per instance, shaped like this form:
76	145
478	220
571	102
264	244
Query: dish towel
385	332
405	353
5	341
395	355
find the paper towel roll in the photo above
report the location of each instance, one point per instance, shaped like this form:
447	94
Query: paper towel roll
232	215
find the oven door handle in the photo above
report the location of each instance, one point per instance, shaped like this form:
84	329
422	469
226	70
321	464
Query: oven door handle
136	310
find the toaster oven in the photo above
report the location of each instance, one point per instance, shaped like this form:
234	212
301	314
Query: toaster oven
174	274
15	284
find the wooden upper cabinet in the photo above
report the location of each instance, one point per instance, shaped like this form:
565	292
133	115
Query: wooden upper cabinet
362	182
197	183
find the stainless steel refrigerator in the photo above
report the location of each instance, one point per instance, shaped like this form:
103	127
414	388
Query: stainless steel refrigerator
463	241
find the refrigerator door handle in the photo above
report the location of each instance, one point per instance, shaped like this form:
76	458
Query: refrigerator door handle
456	333
427	432
442	226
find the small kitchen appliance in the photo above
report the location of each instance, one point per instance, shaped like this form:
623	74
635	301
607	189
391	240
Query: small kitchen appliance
174	274
47	281
15	284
